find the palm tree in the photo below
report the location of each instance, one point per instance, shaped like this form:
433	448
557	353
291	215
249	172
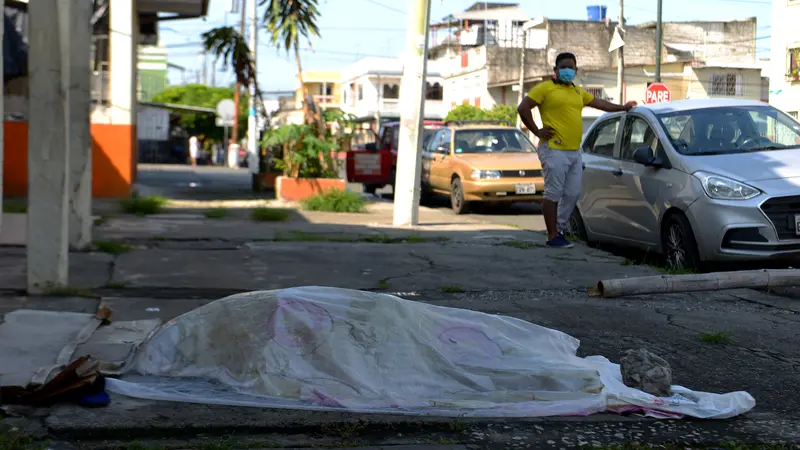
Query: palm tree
287	21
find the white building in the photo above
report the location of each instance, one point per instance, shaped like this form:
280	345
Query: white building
370	89
784	84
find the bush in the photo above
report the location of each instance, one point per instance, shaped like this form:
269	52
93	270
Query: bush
269	215
142	206
336	200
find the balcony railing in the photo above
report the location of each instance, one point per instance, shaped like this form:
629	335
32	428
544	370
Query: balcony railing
390	105
325	100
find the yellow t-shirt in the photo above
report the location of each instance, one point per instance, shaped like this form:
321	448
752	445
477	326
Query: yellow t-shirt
560	105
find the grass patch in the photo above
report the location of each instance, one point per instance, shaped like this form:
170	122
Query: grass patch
452	289
100	221
216	213
15	207
302	236
383	285
12	439
117	284
112	247
336	200
269	215
524	245
674	270
55	290
143	206
717	337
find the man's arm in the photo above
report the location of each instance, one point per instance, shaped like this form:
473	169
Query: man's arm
606	106
525	111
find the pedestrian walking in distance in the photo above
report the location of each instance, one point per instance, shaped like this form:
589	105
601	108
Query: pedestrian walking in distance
560	103
194	149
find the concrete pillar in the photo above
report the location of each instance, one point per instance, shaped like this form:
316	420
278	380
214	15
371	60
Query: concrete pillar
122	51
80	144
48	154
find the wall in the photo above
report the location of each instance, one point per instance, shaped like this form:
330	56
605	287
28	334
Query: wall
503	64
722	42
700	84
112	169
784	92
636	79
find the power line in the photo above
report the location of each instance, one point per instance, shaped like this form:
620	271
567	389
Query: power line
374	2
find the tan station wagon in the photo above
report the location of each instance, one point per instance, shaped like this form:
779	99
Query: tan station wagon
481	161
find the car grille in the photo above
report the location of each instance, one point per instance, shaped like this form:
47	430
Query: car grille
535	173
781	212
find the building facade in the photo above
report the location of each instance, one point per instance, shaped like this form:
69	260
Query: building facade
784	78
152	65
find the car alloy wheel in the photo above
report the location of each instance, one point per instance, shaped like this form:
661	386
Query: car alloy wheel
679	244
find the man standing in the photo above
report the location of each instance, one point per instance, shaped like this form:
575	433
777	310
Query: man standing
194	149
560	103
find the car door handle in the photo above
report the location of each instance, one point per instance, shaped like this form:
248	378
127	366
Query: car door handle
617	173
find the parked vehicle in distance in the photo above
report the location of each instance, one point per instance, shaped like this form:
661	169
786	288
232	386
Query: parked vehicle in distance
695	180
481	161
375	164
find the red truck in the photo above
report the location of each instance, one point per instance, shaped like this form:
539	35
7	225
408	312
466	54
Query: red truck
374	165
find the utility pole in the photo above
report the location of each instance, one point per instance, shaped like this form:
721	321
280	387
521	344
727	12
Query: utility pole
521	92
204	59
621	56
252	119
659	37
237	90
412	112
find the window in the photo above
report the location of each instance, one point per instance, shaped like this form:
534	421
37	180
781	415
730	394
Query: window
391	91
433	142
597	92
730	130
501	140
443	141
433	91
361	92
602	140
638	133
793	71
727	85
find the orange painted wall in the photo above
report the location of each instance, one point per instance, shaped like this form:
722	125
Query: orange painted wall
113	160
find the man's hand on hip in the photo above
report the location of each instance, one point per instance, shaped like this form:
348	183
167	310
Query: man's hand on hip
545	133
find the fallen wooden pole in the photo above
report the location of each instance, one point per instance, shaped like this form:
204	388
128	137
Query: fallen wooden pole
663	284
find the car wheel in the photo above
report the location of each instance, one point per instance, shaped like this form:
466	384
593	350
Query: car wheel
680	246
576	228
457	201
371	189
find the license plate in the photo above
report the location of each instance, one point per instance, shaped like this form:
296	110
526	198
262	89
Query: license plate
528	189
797	224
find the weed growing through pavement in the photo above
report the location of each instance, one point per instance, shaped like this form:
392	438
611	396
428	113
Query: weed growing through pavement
117	284
216	213
716	337
383	285
112	247
452	289
15	207
336	200
57	290
270	215
143	206
521	244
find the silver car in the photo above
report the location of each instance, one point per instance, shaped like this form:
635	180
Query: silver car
694	180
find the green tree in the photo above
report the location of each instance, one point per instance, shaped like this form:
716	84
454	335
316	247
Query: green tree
287	21
469	112
205	97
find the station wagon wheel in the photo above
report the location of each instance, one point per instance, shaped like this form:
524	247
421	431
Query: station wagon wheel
457	201
680	246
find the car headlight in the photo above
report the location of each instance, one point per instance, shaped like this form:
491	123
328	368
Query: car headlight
723	188
485	174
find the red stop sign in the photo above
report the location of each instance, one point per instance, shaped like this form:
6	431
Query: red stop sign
657	93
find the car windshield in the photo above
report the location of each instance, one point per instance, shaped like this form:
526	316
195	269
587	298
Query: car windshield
426	137
506	140
730	129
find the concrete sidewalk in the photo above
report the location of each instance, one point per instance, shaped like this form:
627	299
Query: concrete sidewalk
159	267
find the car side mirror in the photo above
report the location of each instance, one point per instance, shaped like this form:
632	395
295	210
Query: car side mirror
442	149
644	156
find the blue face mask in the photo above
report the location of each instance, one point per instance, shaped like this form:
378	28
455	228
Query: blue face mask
566	75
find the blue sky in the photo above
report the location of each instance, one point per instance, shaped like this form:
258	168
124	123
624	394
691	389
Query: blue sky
351	29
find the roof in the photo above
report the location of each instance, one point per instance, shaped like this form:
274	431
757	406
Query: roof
184	108
688	105
481	6
505	13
